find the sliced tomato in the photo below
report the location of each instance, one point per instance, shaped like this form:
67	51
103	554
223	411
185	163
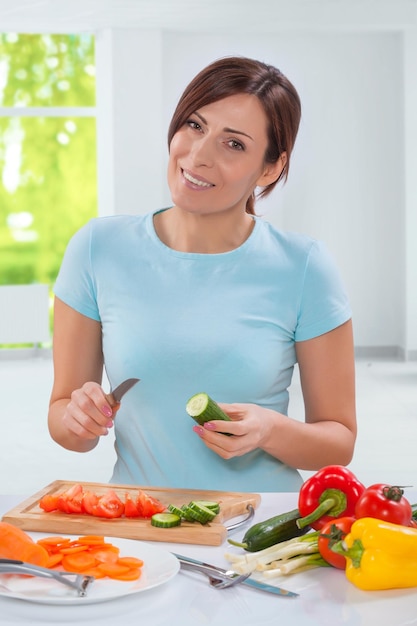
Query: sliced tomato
131	507
69	501
109	505
332	532
49	503
148	505
89	502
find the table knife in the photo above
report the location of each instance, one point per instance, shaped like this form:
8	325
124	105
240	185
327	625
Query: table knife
206	568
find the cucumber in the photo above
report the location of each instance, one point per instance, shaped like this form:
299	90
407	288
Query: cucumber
202	409
165	520
271	531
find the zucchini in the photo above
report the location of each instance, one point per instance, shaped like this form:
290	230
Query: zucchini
202	409
271	531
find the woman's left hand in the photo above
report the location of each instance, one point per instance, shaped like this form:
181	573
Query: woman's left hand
249	427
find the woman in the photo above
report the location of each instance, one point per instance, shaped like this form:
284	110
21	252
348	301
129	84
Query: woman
205	296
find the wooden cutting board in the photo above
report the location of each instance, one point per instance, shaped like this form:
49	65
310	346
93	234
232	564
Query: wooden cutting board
29	516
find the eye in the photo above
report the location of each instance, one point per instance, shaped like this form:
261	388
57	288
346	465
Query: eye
236	145
193	124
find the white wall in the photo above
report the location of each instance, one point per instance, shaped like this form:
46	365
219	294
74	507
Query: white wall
347	183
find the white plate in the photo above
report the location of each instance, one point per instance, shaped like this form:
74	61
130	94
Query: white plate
159	567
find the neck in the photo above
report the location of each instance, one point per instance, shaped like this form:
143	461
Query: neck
205	234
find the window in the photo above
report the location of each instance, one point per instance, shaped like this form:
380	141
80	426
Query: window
48	179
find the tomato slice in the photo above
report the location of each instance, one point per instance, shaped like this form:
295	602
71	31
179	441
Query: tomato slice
49	503
109	505
131	507
69	501
89	502
148	505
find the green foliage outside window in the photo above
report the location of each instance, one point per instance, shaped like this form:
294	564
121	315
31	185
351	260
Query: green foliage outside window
48	179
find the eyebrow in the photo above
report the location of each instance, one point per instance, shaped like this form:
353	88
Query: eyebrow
227	129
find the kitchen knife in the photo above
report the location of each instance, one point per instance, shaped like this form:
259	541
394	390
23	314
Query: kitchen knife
115	395
211	570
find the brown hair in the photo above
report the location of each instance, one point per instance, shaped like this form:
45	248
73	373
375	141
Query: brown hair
235	75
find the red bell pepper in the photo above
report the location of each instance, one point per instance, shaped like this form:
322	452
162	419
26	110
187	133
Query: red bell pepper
329	493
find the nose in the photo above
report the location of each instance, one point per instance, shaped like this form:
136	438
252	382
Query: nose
203	151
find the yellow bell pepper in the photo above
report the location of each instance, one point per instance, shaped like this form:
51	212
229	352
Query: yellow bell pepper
380	555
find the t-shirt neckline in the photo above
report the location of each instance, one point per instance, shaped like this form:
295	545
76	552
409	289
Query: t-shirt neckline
200	255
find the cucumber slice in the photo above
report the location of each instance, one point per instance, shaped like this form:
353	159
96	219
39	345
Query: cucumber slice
186	514
165	520
213	506
200	512
202	509
174	509
193	515
202	408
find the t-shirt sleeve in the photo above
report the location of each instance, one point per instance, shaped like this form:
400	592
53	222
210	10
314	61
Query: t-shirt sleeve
324	303
75	283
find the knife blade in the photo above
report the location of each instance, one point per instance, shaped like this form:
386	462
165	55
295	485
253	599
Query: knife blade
206	568
115	395
279	591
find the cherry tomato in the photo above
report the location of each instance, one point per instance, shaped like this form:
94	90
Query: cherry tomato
332	532
385	502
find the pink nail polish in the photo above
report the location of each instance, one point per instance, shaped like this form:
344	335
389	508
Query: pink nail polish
106	410
199	430
109	424
209	426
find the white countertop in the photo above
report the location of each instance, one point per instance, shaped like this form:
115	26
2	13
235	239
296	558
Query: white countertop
326	597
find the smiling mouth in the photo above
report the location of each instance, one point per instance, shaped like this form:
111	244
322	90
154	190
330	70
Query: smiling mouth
196	181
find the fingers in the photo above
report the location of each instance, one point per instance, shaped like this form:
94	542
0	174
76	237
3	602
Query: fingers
217	440
88	414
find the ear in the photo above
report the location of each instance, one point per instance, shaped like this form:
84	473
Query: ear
272	171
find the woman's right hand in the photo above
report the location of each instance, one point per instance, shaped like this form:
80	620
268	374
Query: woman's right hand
88	415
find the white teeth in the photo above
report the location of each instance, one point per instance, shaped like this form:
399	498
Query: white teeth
193	180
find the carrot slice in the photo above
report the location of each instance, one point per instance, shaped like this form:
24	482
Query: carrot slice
74	549
106	556
93	571
113	569
54	560
133	574
92	540
53	541
130	561
78	562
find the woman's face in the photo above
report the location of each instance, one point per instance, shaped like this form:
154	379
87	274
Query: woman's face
217	157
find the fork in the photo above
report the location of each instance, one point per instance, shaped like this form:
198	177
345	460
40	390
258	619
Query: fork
79	582
219	578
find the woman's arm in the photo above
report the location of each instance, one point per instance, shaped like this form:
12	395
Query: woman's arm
78	412
327	372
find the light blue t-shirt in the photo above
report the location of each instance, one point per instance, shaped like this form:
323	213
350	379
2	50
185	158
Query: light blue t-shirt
224	324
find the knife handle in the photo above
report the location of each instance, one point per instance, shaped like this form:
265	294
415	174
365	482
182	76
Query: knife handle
113	403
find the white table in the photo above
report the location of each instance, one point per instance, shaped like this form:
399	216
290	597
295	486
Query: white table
326	597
